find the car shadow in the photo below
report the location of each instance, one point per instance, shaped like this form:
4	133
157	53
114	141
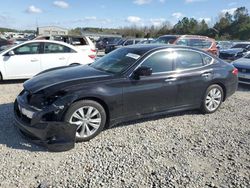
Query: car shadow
5	82
9	134
155	118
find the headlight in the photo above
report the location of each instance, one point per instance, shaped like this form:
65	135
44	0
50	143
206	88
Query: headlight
52	98
41	99
26	112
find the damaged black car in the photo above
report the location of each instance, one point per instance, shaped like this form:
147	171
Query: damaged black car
67	104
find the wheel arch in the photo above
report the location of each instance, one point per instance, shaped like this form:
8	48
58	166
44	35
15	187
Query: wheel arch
223	88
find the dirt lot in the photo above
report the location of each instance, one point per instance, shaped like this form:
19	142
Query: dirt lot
180	150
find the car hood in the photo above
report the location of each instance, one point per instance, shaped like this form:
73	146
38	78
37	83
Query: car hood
66	76
242	63
231	50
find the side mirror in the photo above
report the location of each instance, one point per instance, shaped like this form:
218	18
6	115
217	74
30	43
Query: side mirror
142	71
11	53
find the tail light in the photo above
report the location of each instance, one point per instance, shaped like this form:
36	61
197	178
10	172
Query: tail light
235	72
92	56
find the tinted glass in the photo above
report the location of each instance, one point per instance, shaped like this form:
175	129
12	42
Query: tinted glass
196	43
116	61
207	59
188	59
128	42
165	40
32	48
55	48
159	62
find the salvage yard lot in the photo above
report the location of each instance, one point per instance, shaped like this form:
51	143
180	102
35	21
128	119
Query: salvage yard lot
183	149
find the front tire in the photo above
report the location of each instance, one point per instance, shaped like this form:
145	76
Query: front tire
212	99
89	116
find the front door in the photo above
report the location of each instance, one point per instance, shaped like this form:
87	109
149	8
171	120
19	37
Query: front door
153	93
24	63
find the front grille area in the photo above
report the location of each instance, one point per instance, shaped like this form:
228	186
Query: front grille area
243	70
244	80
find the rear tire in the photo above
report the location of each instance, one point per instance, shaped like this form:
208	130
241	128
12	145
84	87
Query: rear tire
89	116
213	99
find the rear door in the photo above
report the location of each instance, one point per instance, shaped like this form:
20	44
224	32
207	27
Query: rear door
55	55
193	75
25	63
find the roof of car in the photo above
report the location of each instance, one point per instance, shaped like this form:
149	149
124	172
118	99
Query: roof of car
195	37
47	41
144	48
169	36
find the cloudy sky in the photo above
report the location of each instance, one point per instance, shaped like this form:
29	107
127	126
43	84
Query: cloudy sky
27	14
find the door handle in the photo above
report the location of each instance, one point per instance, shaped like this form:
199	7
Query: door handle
61	58
34	60
206	74
171	79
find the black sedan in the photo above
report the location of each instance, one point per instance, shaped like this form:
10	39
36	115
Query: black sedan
68	104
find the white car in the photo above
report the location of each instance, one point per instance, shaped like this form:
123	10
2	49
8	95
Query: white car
82	42
29	58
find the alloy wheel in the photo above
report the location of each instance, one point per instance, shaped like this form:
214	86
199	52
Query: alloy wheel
88	119
213	99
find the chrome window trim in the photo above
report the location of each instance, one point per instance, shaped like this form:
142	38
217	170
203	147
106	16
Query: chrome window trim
171	50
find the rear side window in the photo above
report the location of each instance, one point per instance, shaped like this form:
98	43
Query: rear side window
207	59
27	49
56	48
188	59
79	41
160	62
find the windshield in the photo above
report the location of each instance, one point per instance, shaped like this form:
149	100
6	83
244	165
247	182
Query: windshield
5	48
247	56
116	61
197	43
240	45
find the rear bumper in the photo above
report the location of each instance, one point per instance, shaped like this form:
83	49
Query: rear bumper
56	136
231	88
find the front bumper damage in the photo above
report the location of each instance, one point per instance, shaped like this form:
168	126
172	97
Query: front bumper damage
55	135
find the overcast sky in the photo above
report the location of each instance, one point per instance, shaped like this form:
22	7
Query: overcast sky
27	14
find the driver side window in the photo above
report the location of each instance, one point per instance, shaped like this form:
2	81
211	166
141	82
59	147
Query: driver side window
159	62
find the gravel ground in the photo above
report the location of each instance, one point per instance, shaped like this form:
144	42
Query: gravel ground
180	150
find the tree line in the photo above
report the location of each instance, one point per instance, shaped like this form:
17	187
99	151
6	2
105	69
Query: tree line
234	26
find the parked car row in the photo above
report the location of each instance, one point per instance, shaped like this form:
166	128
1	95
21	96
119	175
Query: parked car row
237	51
126	42
201	42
